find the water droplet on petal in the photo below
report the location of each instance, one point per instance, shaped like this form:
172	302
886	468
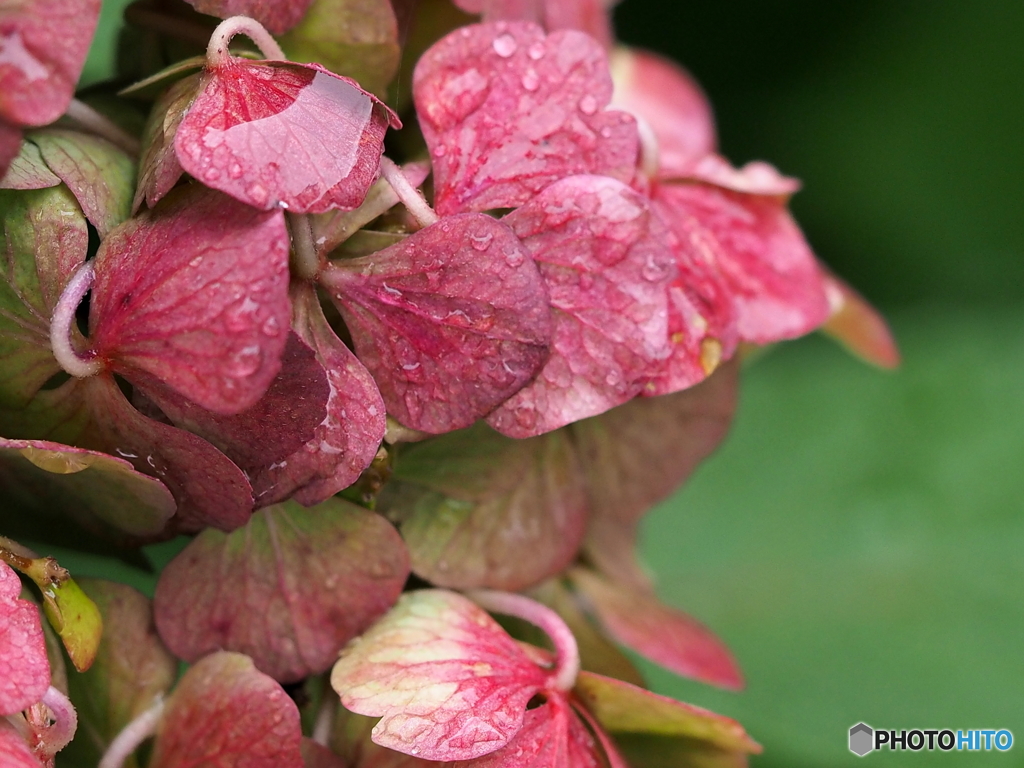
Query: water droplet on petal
271	327
536	51
258	193
245	361
505	45
441	151
588	105
235	171
514	258
481	242
212	174
530	80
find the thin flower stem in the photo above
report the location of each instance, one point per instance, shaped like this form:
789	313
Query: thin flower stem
132	735
94	122
567	653
407	193
217	52
650	154
325	718
61	322
65	721
305	261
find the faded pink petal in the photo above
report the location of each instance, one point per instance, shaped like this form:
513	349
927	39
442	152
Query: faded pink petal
289	589
669	101
195	293
346	441
637	454
159	169
282	135
607	263
209	489
472	502
638	620
27	169
276	15
768	268
225	713
858	326
446	679
451	321
278	424
14	752
43	44
24	668
506	111
754	178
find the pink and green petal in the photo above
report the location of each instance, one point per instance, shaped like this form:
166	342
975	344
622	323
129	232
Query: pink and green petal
445	678
289	589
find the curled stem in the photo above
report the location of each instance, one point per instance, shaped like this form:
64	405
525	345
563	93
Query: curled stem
567	654
61	322
94	122
132	735
217	52
53	737
407	193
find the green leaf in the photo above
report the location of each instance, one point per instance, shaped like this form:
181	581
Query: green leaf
473	501
648	751
131	670
28	170
355	38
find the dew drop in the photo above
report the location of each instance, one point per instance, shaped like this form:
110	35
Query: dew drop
606	132
505	45
235	171
245	361
614	377
481	242
653	271
588	105
526	417
258	194
536	51
196	261
514	258
441	151
530	80
212	174
271	327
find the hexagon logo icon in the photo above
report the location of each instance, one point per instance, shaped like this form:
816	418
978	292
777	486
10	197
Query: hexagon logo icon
862	739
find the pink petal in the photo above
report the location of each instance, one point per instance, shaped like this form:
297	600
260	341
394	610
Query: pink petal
623	708
858	326
472	502
670	101
767	265
346	441
43	44
284	135
506	111
447	680
638	620
552	736
590	16
195	293
702	313
278	424
607	264
451	321
100	491
24	668
276	15
14	752
209	489
754	178
289	589
637	454
226	713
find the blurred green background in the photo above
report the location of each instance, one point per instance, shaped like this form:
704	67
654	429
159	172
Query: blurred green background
859	540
